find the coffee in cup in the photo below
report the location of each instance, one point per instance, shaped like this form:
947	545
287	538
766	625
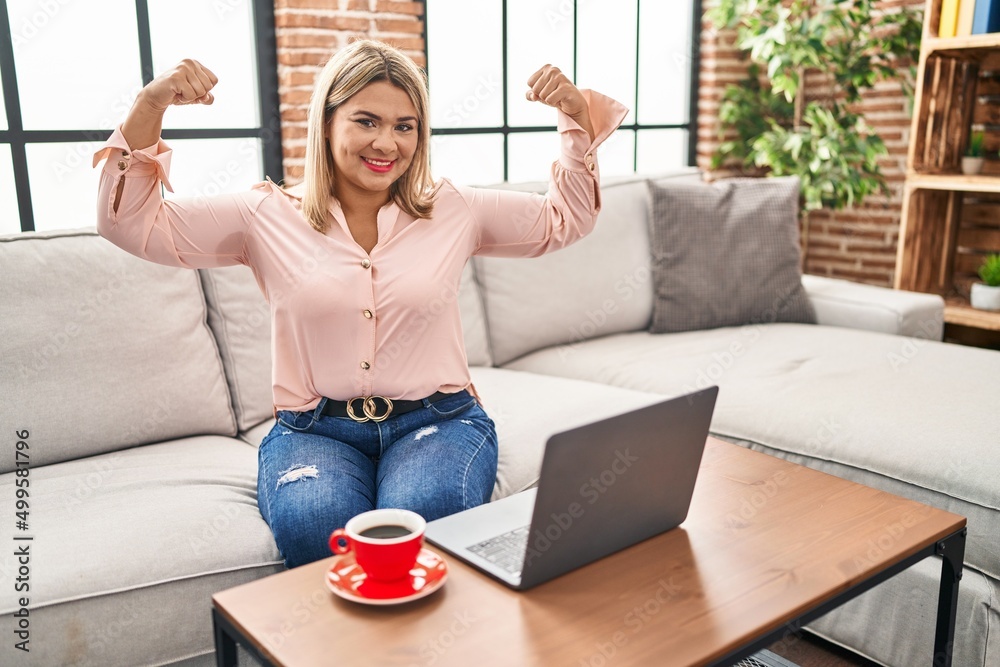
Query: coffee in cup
385	532
385	542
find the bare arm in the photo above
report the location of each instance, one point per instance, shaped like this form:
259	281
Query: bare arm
187	83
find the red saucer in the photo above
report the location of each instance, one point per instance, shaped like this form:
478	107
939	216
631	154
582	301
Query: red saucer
347	580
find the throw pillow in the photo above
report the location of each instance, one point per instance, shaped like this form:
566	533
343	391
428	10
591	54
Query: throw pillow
726	254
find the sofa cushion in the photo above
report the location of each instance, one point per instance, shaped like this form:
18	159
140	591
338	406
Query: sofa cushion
254	436
130	546
726	254
872	623
470	303
844	303
103	350
882	410
241	320
597	286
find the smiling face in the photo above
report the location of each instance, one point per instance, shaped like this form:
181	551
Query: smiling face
372	138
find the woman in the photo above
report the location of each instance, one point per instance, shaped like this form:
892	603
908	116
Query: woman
360	266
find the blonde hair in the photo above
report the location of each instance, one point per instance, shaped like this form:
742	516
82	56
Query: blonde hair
345	74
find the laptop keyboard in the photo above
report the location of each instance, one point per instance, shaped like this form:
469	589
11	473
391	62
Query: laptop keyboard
506	551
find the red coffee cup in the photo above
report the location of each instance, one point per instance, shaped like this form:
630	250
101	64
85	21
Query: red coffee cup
385	542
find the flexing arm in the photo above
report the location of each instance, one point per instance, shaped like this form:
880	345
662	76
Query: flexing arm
550	86
132	214
188	83
517	224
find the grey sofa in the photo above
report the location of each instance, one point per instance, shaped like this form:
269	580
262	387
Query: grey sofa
145	390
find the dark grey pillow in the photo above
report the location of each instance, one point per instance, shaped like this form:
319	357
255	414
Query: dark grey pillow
726	254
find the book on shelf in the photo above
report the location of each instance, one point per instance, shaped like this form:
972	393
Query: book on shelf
986	17
966	12
949	18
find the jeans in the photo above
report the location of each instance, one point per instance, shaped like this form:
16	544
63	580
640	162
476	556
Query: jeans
315	472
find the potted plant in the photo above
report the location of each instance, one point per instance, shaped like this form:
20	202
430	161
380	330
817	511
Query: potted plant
972	161
986	295
812	62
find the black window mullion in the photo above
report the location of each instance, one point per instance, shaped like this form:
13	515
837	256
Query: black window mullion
427	55
145	37
576	41
12	101
15	125
630	127
145	41
695	82
266	43
635	135
62	136
504	91
19	157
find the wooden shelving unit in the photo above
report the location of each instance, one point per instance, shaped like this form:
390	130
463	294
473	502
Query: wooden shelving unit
950	220
958	311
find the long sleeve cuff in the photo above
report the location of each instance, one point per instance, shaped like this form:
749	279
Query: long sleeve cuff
150	161
578	151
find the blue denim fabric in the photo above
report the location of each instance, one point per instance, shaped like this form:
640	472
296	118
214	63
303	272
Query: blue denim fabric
316	472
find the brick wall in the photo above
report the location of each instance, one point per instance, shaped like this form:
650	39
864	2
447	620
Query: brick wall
309	32
857	244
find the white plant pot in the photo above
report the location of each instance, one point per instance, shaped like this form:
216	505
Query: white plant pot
985	297
972	165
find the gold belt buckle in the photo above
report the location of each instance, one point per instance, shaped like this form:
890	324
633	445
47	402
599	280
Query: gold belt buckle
369	408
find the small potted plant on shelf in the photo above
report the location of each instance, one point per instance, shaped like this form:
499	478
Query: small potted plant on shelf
972	162
986	295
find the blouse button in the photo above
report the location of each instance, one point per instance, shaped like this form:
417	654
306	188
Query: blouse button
365	365
366	263
367	314
122	165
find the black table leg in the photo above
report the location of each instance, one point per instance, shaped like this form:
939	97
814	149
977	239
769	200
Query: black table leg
952	552
225	645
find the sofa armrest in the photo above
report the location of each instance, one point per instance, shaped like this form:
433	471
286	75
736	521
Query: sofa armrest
841	303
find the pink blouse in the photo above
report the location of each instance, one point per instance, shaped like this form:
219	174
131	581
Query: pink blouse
346	323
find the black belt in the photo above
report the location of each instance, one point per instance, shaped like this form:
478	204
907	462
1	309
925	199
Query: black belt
376	408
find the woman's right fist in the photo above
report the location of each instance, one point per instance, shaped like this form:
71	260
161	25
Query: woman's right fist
187	83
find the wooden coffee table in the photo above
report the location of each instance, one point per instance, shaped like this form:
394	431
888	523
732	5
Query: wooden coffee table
767	547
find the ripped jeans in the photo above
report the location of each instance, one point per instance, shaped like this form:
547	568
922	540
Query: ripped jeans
315	472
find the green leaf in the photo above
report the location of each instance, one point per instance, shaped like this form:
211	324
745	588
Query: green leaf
834	154
773	66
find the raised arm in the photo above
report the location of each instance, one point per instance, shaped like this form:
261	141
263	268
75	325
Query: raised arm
132	214
517	224
550	86
188	83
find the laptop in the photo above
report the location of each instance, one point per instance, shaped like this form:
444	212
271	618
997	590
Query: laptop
603	487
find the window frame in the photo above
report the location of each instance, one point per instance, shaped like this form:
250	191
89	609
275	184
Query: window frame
691	126
268	131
